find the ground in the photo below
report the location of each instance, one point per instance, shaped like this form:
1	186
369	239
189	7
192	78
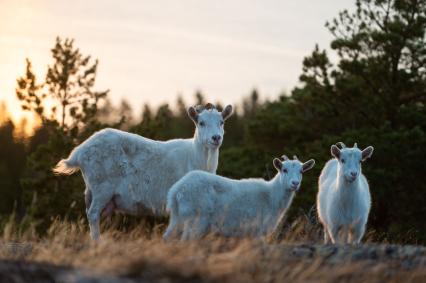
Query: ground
66	254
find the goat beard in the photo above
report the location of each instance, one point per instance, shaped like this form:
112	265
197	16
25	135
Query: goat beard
210	156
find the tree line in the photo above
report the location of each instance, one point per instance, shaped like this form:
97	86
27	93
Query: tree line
373	94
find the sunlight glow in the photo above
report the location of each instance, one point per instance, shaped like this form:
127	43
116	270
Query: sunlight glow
151	50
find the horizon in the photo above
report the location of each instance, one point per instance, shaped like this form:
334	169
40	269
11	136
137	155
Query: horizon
151	52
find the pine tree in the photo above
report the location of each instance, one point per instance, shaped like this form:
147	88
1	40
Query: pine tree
29	92
70	81
374	94
69	84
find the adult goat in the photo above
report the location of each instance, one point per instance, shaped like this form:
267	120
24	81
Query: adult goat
132	174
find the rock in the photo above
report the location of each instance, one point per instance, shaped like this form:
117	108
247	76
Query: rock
304	251
359	254
410	251
22	271
390	250
327	250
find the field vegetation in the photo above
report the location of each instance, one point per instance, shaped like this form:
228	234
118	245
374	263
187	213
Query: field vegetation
373	93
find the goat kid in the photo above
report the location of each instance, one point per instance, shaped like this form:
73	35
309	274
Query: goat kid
201	202
343	199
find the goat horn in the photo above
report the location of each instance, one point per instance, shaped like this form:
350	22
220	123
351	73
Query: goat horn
295	157
199	108
342	145
355	145
284	157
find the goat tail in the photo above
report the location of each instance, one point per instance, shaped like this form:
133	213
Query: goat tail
66	166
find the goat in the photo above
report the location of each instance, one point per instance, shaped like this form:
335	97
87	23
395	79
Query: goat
343	198
201	202
132	174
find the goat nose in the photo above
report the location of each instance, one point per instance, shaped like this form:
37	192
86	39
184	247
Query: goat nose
353	174
295	183
216	138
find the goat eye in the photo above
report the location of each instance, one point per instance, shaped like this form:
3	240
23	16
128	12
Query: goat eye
285	170
343	161
221	123
202	124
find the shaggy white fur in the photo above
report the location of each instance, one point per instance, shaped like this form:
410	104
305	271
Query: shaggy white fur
200	202
343	200
132	174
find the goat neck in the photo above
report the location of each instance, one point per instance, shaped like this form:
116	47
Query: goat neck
281	197
205	158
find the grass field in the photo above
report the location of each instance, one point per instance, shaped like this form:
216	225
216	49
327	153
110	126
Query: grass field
66	254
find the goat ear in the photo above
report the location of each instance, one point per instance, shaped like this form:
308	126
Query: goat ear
335	151
308	165
278	164
367	152
193	114
227	112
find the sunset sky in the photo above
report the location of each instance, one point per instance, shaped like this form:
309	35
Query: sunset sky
151	50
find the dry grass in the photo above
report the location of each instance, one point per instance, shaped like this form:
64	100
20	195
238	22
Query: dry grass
141	255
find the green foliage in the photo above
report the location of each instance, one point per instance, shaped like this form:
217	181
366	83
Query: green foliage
70	80
69	84
12	165
28	92
374	95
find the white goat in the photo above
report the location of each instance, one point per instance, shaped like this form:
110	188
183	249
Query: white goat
343	200
132	174
200	202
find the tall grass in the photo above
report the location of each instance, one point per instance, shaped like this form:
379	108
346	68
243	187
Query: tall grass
296	255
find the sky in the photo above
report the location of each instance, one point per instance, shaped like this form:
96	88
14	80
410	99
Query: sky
150	51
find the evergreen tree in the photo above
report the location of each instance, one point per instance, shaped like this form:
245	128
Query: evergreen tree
69	84
374	95
12	165
29	92
70	81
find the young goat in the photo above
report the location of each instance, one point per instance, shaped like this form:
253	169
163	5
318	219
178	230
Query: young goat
200	202
132	174
343	200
